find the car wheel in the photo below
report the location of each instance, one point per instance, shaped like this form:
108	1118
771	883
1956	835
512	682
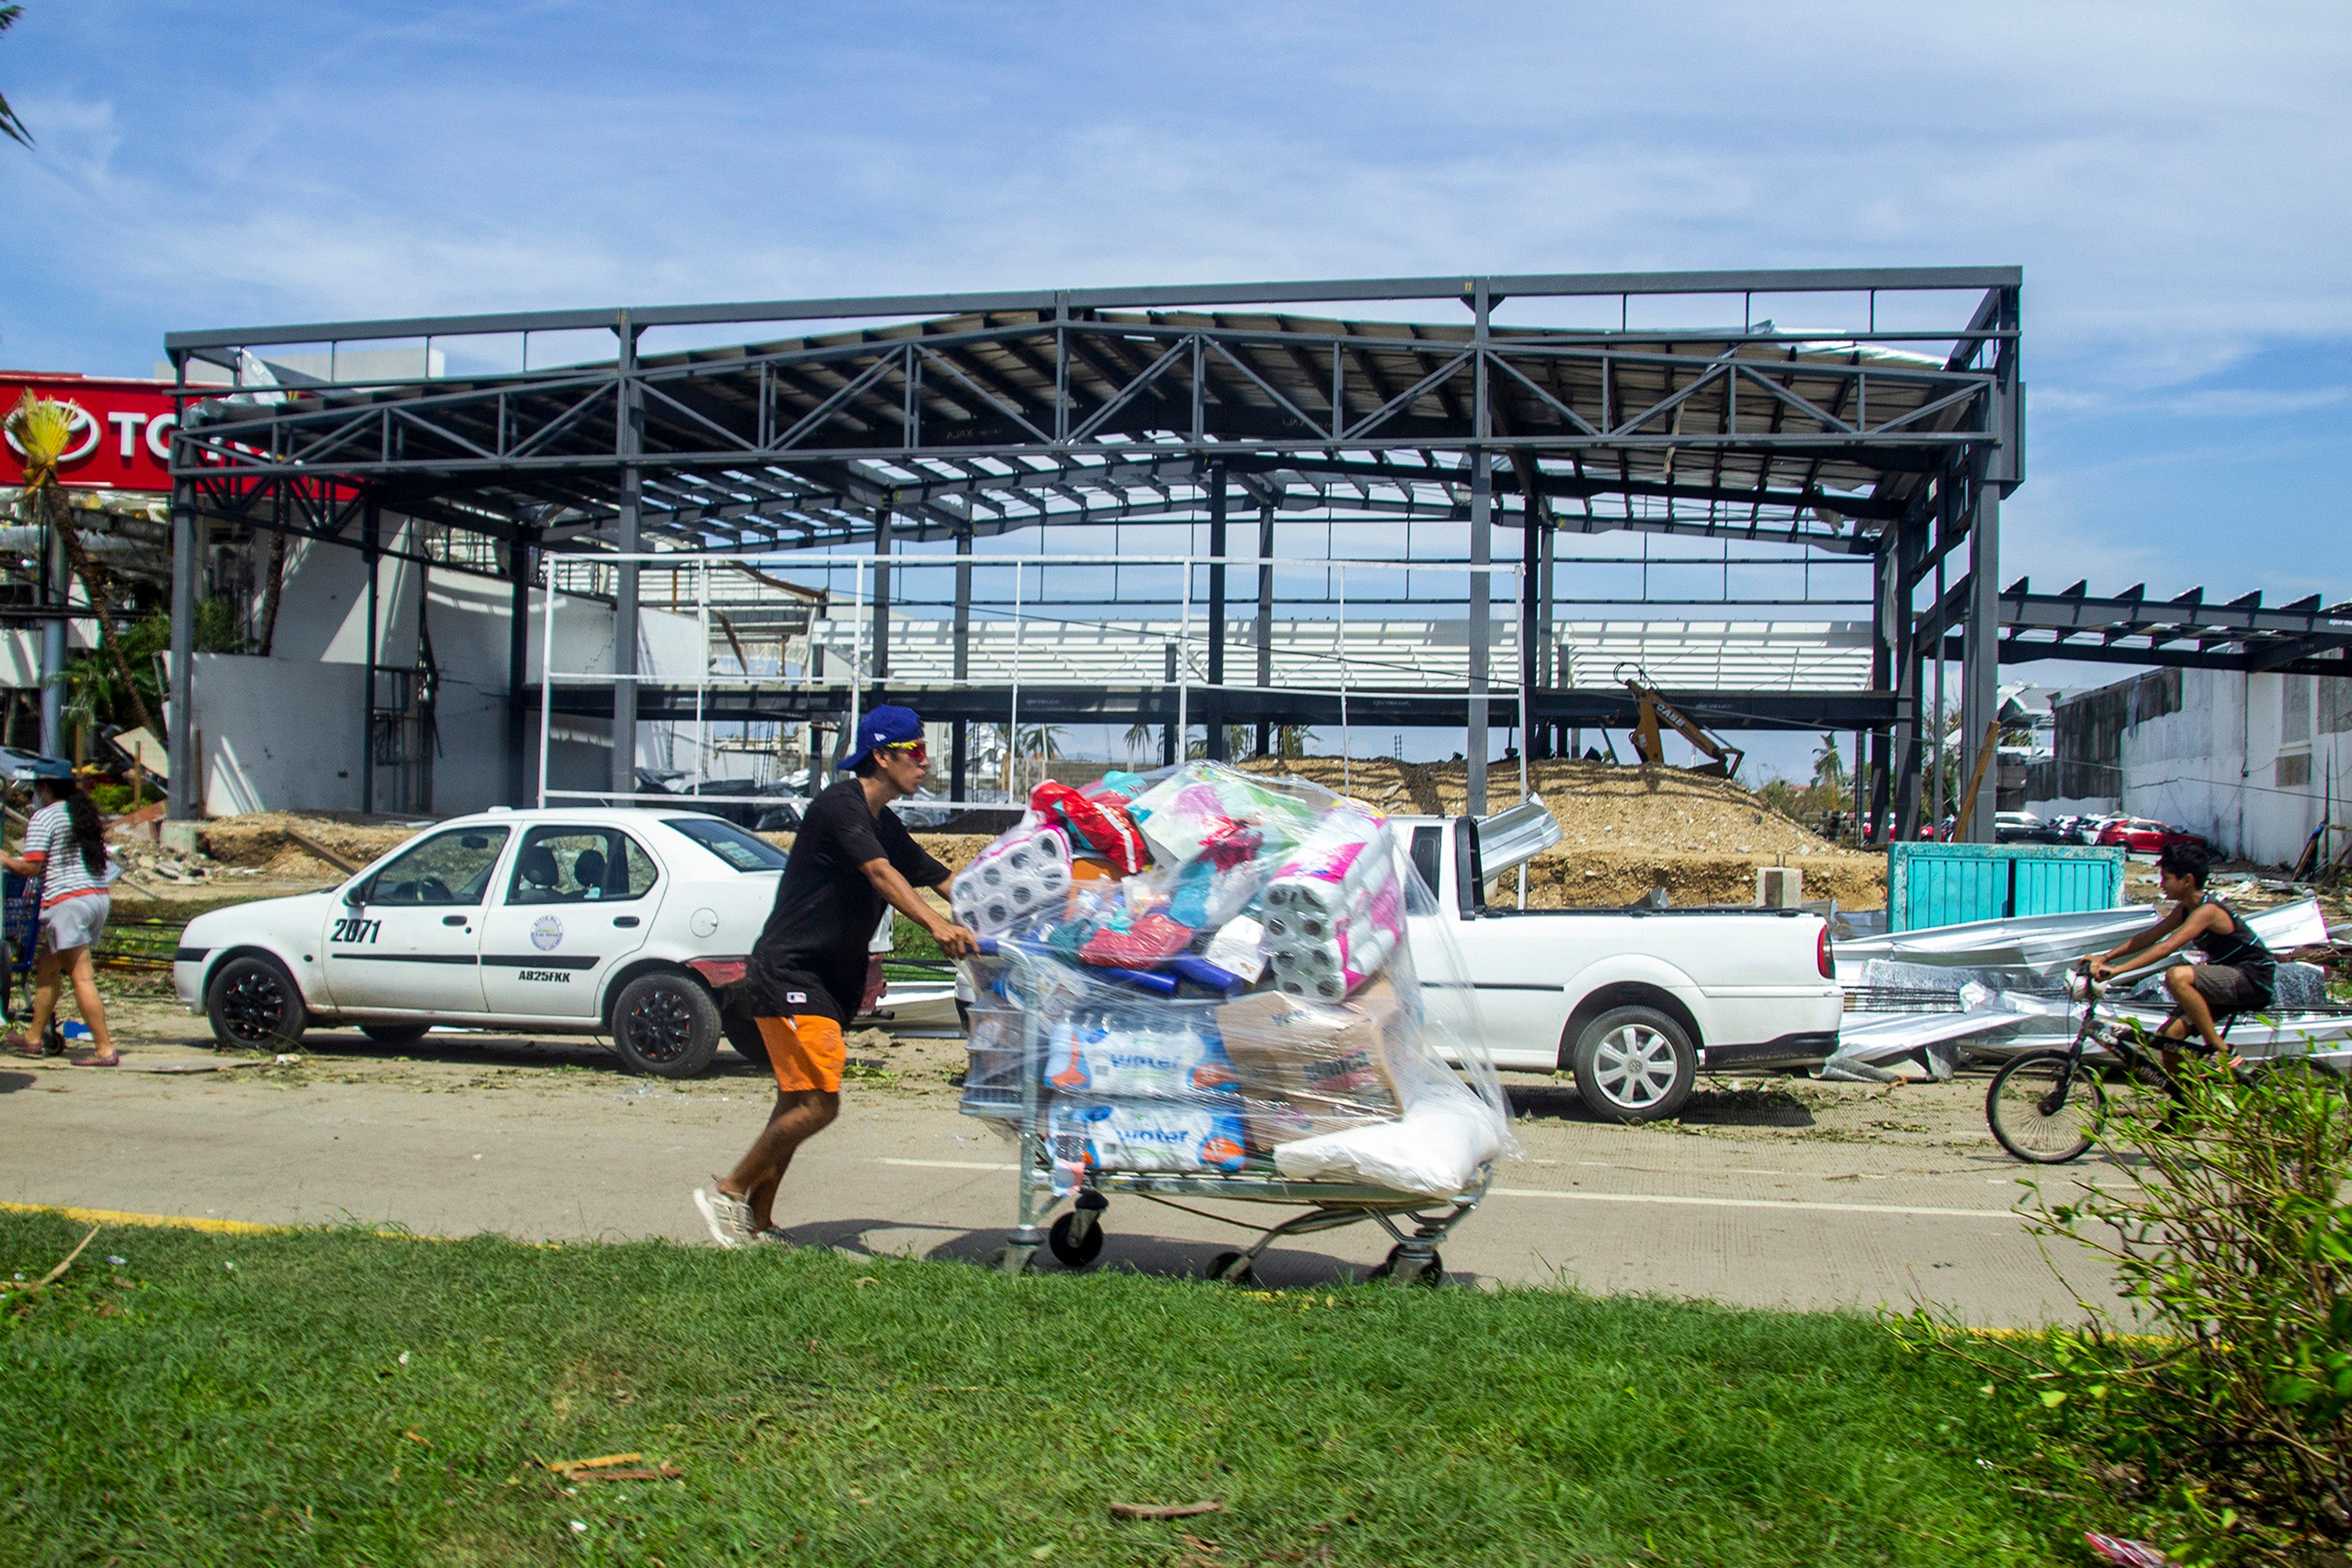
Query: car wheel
395	1033
1634	1063
666	1024
252	1002
743	1033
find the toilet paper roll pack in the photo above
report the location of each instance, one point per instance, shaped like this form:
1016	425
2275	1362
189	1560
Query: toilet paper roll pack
1022	875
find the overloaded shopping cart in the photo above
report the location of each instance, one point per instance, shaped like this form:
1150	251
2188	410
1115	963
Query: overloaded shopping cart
20	934
1202	988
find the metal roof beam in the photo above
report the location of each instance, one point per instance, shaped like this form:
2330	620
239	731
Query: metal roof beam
1799	280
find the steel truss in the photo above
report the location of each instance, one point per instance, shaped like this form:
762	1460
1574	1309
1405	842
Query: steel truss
972	415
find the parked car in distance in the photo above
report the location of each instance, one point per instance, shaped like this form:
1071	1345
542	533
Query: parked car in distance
2142	835
634	925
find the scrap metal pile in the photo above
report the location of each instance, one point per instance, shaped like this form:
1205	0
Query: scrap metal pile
1919	1003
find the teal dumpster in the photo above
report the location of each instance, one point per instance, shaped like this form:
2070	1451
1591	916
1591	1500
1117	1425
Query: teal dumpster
1949	884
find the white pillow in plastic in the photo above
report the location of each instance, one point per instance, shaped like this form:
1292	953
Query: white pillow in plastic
1433	1149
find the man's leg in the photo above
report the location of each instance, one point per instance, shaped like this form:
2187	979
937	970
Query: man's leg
798	1117
2180	980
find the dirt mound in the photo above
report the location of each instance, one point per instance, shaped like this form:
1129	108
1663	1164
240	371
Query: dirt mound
1622	830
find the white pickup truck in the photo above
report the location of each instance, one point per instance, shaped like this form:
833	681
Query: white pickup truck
1635	1002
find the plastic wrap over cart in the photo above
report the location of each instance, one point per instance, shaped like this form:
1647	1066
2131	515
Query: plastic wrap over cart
1013	1045
1227	1007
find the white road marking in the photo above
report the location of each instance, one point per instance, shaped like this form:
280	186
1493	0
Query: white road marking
1750	1203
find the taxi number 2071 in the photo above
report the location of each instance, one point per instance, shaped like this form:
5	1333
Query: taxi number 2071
355	930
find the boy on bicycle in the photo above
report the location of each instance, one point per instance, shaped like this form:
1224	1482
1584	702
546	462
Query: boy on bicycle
2238	974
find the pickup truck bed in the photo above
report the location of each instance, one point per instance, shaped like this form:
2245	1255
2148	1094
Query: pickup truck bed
1634	1003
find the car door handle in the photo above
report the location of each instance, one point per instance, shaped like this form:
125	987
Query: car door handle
453	919
625	920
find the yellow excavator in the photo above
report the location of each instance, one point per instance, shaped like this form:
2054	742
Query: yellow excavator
1723	759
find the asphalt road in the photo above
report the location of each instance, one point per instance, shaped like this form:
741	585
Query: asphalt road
1784	1195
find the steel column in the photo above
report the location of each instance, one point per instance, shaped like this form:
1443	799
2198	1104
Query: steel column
1482	554
523	565
1532	530
1266	619
57	594
1980	659
629	441
1907	660
1212	710
883	516
186	799
371	552
958	741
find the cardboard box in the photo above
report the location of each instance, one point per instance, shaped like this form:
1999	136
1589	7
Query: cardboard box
1309	1068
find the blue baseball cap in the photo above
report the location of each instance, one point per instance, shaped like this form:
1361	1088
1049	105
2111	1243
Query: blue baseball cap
885	726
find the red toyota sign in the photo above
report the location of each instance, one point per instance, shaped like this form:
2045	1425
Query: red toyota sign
122	430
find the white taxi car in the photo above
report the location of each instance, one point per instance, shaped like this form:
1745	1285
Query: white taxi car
630	925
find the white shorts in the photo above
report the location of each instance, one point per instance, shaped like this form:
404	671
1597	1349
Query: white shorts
75	923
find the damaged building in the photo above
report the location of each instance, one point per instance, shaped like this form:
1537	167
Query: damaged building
2255	761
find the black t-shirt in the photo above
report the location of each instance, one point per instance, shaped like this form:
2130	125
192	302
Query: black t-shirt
813	947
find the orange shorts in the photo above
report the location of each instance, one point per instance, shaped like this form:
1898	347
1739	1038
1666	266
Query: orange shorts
807	1052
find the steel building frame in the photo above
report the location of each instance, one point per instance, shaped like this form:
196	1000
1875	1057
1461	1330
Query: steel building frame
973	415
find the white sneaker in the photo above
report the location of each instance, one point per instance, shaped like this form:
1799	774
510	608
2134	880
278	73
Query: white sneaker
728	1217
773	1236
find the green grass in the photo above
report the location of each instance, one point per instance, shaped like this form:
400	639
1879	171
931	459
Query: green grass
837	1410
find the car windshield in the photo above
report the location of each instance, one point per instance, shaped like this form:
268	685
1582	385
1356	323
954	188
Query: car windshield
729	843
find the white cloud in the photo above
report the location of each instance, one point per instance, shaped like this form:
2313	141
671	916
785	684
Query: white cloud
2171	176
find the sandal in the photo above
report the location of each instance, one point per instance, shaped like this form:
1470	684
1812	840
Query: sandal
93	1059
17	1045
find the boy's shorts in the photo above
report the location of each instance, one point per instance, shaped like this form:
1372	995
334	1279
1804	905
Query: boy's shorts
807	1052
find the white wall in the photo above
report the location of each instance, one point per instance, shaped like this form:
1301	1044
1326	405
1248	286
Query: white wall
470	617
322	608
282	733
278	734
2215	766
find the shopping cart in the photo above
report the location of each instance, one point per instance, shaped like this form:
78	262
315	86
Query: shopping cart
20	931
1004	1082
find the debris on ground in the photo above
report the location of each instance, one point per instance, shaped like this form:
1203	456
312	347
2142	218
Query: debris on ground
1165	1509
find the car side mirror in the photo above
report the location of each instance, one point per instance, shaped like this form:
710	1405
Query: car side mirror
355	896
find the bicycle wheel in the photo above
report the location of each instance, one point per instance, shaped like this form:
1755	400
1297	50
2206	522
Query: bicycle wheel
2043	1109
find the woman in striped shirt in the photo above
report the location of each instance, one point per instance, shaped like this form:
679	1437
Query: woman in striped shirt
65	846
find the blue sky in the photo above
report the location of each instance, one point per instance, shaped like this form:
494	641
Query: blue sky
2172	177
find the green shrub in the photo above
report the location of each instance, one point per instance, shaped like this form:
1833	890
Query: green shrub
116	799
2216	1403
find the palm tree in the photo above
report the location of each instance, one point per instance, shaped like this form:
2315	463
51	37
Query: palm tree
10	126
1829	766
42	428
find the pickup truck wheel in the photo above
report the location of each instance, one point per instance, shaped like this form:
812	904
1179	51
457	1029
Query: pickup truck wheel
666	1025
1634	1064
743	1033
254	1001
395	1033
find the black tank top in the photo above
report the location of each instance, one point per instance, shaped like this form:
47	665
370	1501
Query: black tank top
2241	949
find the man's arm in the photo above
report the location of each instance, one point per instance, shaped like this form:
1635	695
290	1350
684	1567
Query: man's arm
2166	937
900	895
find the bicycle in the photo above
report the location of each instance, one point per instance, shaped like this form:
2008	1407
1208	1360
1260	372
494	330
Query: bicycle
2043	1106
